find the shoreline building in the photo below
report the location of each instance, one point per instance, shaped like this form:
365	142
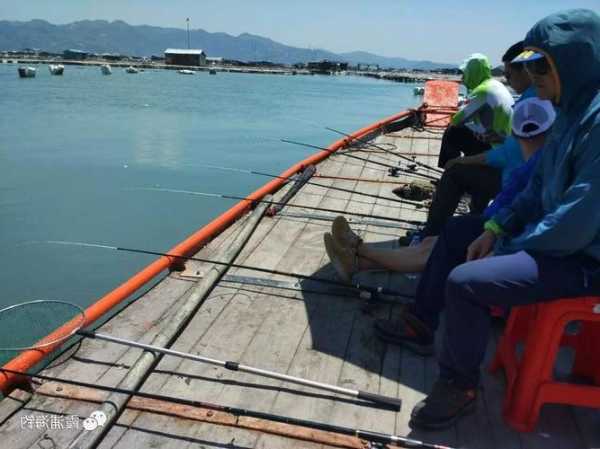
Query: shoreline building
77	55
326	67
190	57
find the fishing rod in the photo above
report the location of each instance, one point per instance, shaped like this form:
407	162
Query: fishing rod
339	189
278	203
387	401
78	320
367	292
350	178
367	435
393	170
379	147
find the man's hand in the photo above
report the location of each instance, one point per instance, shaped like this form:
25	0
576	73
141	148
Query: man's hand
482	246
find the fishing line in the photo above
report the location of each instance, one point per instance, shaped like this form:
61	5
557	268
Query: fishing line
349	178
278	203
365	223
351	164
392	168
339	189
368	292
373	145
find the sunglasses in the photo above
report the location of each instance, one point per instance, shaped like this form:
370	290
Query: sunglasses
538	67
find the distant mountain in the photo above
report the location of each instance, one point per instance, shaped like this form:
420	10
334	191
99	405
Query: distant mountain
100	36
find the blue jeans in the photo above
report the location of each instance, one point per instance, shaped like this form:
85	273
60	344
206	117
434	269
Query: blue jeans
469	290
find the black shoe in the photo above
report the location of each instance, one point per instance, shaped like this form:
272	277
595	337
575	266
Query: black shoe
445	404
409	332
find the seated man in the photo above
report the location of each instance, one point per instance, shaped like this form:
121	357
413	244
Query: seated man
480	175
532	118
486	113
546	244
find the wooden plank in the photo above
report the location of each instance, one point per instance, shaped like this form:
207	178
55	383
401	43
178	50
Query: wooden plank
225	338
318	356
140	321
168	409
12	403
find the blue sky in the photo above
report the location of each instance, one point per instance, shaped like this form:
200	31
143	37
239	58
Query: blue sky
436	30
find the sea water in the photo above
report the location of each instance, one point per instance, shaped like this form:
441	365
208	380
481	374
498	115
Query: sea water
76	152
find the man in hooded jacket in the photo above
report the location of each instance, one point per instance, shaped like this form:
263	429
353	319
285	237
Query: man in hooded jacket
485	118
546	244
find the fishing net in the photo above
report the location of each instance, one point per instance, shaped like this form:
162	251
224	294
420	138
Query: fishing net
38	324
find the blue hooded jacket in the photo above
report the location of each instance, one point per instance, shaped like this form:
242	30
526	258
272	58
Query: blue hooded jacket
558	213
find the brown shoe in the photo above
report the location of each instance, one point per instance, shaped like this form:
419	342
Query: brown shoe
343	236
343	259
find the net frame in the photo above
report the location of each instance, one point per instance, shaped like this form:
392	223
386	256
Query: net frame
57	336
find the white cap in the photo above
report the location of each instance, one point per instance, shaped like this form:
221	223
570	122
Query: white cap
532	116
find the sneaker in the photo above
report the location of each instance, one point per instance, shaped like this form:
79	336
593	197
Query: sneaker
342	234
445	404
409	332
343	259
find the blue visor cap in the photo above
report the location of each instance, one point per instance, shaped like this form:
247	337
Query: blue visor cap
527	56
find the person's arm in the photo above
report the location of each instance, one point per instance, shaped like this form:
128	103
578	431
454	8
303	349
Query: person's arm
509	220
476	159
475	102
517	182
575	222
526	207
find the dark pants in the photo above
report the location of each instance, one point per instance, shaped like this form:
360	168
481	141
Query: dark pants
457	139
469	289
449	251
480	181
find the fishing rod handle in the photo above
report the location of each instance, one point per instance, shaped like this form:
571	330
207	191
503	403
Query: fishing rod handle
394	403
374	398
151	348
396	440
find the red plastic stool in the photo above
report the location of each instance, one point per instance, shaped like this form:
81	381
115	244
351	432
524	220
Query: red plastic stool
541	327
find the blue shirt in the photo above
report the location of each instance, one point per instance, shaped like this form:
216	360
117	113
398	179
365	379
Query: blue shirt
517	182
508	156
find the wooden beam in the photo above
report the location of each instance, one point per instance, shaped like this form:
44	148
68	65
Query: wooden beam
202	414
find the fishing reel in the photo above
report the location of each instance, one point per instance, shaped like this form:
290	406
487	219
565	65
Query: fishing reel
394	172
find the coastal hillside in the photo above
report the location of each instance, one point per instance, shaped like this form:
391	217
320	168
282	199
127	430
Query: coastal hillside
101	36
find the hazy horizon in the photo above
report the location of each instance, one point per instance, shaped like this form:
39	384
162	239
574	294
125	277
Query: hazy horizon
411	29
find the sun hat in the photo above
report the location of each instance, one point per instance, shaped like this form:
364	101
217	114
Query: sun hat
527	56
532	116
